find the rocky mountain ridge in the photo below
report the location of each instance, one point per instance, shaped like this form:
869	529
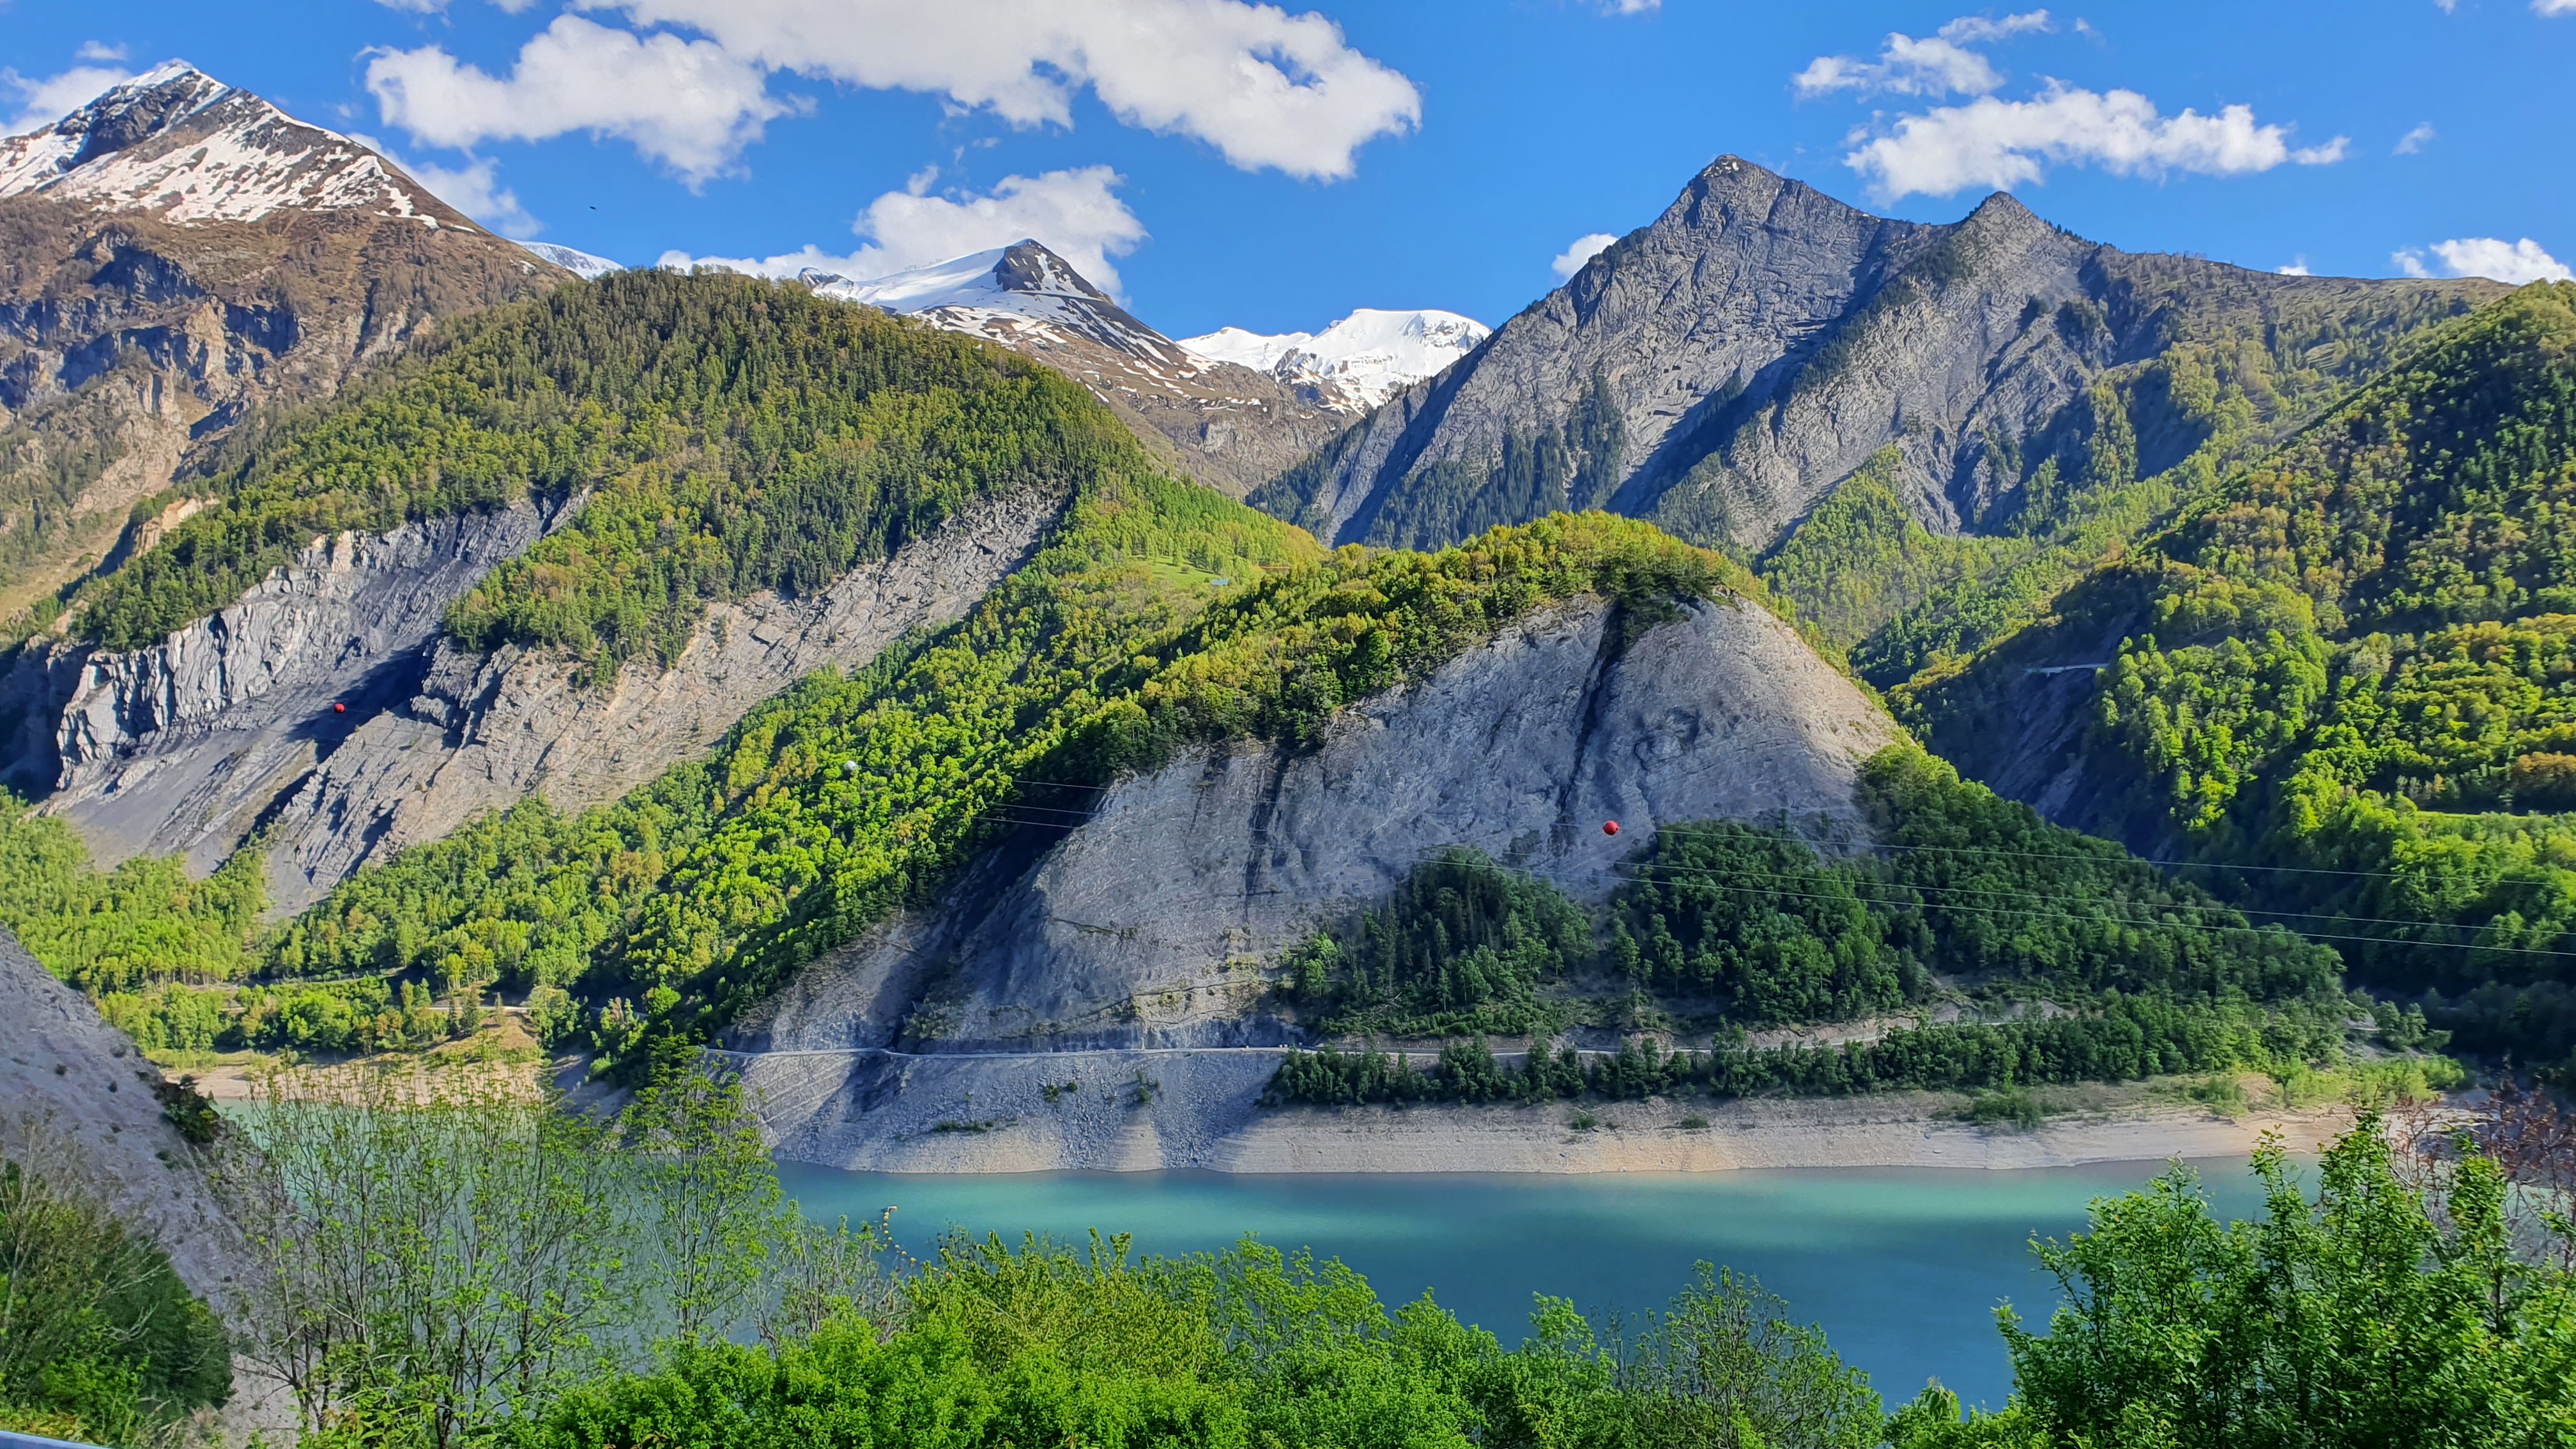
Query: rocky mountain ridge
1227	426
1725	366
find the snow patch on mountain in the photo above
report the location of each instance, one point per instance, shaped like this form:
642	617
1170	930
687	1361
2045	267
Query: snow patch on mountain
179	144
1358	362
1015	295
580	263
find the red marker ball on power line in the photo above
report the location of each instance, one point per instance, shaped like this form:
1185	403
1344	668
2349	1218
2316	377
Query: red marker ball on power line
339	708
1609	827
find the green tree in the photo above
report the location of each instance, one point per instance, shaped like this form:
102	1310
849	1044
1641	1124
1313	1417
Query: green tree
99	1339
2363	1316
714	1204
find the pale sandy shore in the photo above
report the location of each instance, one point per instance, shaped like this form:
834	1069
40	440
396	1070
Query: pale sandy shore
1649	1137
1896	1130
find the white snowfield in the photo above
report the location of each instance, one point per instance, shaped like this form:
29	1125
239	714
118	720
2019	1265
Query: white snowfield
1021	293
580	263
179	144
1367	357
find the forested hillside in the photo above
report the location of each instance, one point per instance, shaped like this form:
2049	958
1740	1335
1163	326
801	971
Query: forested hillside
2231	378
2349	666
729	435
2012	953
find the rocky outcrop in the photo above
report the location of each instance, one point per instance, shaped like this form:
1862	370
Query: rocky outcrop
70	1081
186	745
1142	941
327	711
486	731
1726	366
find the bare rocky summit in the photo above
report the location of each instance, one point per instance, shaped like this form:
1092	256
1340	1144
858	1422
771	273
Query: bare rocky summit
1726	366
1226	425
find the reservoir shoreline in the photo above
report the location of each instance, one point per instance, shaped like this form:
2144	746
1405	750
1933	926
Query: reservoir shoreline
1898	1130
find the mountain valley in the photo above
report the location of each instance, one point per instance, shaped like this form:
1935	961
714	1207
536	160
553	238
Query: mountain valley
880	677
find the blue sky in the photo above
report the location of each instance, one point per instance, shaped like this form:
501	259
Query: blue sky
1270	168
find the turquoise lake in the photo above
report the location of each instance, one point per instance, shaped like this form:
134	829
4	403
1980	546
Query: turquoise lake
1902	1268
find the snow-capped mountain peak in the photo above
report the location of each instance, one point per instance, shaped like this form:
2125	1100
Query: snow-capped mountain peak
580	263
1356	363
176	143
1021	293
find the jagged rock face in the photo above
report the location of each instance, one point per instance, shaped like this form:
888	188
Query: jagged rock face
1227	426
186	745
484	731
1724	367
175	253
1153	926
230	725
69	1080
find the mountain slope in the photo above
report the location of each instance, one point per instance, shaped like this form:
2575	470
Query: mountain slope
2353	658
1724	367
554	548
1230	427
1356	363
173	253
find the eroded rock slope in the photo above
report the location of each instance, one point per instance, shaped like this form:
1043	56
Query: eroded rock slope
486	731
1132	955
328	711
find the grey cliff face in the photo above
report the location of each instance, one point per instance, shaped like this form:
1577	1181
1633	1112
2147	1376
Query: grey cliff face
185	746
69	1080
327	709
1153	927
487	731
1722	369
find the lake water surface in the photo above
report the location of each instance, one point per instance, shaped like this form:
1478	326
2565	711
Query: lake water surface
1902	1268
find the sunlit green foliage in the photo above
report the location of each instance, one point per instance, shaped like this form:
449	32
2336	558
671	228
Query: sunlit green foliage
99	1340
1461	946
1036	1345
2365	638
739	434
143	921
1859	559
2367	1315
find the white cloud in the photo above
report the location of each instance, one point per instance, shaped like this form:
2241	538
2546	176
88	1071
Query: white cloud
1584	249
43	102
688	104
2553	7
475	189
2298	267
1076	214
439	7
1936	66
1631	7
2002	144
1978	29
1264	87
99	50
2414	141
2486	256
